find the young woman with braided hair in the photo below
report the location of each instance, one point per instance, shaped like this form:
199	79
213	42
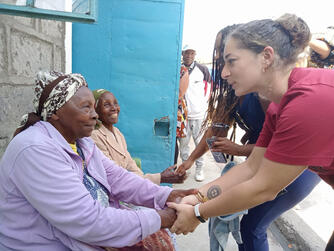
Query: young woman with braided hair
248	112
224	107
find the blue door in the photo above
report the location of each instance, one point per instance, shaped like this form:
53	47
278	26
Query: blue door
134	51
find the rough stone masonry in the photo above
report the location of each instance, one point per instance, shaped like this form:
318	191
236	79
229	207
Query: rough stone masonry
27	45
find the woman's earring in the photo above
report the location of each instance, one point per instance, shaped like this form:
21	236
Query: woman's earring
264	69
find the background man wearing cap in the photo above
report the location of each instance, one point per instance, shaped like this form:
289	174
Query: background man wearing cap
197	96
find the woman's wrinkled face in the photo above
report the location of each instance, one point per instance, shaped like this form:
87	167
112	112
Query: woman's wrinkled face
77	118
242	69
108	109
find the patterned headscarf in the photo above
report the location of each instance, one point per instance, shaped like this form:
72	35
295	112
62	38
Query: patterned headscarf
52	91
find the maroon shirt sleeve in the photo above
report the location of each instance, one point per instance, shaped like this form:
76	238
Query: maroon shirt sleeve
300	129
303	133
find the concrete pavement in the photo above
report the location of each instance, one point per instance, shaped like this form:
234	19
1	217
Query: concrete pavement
308	226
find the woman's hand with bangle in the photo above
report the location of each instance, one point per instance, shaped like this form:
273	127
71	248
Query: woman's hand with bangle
190	200
177	194
186	220
194	199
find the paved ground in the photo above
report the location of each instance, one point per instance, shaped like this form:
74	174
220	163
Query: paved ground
308	226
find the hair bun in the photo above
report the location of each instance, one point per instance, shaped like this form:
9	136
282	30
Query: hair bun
297	28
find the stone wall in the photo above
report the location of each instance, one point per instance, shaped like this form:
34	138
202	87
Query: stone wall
27	45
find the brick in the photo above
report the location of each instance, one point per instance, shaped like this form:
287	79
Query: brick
13	107
58	59
29	54
3	58
3	144
52	28
32	45
25	21
15	104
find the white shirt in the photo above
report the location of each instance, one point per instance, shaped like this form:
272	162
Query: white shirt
196	97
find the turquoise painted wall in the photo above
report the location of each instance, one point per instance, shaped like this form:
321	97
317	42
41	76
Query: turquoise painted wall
134	50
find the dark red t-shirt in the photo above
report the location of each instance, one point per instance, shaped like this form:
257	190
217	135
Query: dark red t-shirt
300	129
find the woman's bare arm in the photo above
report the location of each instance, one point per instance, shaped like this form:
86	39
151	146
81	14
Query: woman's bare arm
320	47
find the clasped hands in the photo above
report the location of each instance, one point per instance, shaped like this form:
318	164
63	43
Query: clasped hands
179	216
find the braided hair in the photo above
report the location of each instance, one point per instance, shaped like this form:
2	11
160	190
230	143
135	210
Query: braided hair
223	102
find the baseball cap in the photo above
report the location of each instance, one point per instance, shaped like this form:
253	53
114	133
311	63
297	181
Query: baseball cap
188	47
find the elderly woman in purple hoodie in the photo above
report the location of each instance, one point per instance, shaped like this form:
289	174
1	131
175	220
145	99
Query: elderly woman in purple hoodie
57	189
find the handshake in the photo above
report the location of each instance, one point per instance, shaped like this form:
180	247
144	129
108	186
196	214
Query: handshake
180	216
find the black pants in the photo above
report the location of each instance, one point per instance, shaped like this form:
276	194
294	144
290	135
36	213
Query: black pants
176	155
330	244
